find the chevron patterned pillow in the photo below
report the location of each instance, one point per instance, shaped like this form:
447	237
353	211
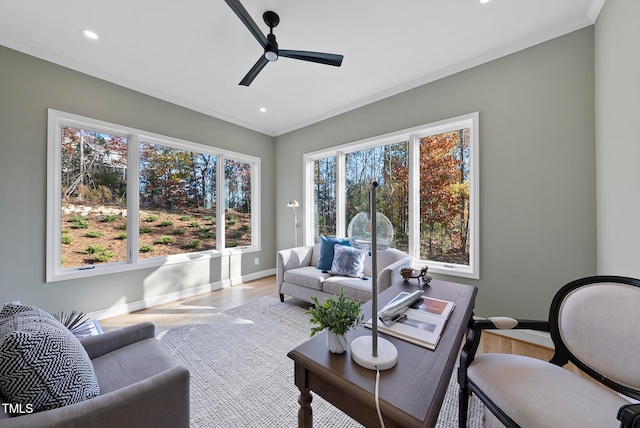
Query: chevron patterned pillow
42	364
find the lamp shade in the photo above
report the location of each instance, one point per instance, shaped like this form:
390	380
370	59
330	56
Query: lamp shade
359	231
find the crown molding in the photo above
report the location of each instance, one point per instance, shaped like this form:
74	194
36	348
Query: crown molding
594	10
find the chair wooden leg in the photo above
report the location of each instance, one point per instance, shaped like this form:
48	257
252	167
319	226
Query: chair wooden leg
282	297
463	407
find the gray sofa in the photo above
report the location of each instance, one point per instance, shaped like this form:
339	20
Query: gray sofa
298	276
140	386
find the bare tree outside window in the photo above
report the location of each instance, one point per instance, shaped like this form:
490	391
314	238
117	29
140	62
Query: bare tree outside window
238	203
324	203
94	196
388	166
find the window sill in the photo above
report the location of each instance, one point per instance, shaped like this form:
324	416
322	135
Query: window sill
95	270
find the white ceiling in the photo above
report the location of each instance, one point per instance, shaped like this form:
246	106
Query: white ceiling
195	52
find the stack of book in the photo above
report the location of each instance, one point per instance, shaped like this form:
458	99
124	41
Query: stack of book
422	323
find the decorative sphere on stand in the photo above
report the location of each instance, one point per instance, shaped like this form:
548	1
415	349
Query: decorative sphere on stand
359	231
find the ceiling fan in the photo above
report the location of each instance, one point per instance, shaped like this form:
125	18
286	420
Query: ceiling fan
271	51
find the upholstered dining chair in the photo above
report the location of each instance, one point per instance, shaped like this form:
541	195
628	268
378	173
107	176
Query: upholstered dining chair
595	324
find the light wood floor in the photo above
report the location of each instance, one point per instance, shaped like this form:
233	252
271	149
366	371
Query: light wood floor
188	310
491	342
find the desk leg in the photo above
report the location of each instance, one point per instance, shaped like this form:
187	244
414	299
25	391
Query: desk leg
305	414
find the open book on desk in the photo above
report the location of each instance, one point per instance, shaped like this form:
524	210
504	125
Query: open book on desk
422	323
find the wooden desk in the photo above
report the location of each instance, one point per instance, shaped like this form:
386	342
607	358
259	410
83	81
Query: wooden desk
411	393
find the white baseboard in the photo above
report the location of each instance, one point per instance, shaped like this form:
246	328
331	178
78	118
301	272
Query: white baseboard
245	278
539	338
127	308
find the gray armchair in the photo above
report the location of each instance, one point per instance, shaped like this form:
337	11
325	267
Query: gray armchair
594	325
140	386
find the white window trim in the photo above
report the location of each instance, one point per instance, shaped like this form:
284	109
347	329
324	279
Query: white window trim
54	271
412	135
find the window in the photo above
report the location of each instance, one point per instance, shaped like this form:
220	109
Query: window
93	170
444	197
324	197
177	207
120	198
428	179
237	176
386	164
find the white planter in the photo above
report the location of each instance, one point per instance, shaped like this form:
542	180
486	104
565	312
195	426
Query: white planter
337	343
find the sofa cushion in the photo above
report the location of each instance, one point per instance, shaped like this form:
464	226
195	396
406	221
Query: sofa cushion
347	261
306	276
327	251
354	288
42	364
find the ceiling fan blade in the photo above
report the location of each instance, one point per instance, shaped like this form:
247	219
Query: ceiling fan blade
257	67
246	19
319	57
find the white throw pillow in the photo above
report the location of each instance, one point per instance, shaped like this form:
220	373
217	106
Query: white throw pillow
347	261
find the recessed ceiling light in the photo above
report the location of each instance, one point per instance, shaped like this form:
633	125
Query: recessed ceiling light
484	1
263	110
90	34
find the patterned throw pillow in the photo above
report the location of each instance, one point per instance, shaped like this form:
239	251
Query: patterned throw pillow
327	249
42	364
347	261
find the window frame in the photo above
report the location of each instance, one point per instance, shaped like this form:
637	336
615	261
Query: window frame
412	135
54	271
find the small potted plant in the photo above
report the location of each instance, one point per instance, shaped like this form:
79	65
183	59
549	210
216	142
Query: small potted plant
337	315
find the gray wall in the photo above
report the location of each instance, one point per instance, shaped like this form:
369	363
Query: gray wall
617	65
537	160
28	87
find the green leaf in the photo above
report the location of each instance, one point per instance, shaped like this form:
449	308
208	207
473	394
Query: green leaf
337	314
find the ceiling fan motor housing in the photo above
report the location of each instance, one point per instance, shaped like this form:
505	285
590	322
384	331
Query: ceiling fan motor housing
271	49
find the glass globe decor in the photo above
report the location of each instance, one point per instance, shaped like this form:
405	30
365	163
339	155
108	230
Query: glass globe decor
359	231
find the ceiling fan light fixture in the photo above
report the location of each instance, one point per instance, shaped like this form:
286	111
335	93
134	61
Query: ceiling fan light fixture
270	55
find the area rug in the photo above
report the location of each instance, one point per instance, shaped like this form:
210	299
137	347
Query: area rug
241	375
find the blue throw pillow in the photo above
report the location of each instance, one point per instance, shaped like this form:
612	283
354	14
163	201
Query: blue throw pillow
326	251
348	261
